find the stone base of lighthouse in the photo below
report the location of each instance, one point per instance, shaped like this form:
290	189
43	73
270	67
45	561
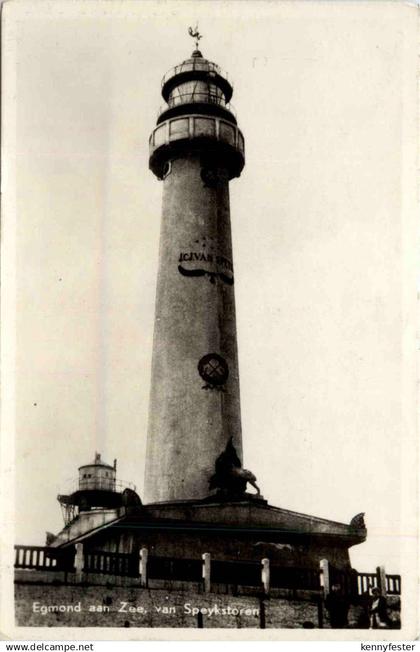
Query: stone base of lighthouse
241	530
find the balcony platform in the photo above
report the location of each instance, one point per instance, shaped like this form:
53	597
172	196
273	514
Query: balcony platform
206	133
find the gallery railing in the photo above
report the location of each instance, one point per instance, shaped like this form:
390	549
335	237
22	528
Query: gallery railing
197	97
194	64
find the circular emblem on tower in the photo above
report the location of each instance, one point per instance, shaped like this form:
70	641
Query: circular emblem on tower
213	369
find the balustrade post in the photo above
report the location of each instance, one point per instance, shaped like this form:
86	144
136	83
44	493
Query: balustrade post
381	575
265	575
324	569
143	557
79	562
206	571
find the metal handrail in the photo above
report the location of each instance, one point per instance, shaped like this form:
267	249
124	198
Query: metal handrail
195	98
106	484
195	64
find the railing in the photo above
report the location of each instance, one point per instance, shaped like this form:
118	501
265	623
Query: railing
258	574
245	573
195	64
365	582
197	98
169	568
354	583
348	580
393	584
294	578
110	563
195	126
101	484
43	558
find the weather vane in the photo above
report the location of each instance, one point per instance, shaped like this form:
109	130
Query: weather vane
195	34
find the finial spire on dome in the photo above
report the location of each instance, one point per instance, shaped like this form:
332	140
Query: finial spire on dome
195	35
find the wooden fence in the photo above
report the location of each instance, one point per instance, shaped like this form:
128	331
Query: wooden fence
263	575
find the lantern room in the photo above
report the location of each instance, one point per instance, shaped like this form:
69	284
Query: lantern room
198	82
98	475
97	488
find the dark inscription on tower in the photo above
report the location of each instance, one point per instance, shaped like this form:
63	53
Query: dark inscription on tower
219	261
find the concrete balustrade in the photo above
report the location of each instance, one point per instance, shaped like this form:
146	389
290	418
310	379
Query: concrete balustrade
196	126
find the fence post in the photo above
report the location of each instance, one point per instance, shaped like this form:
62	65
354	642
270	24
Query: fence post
381	575
262	613
206	571
265	575
320	612
143	556
324	568
79	562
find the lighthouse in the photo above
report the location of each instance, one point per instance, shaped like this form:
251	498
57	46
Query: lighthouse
196	149
197	499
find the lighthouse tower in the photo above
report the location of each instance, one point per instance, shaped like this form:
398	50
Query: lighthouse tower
195	149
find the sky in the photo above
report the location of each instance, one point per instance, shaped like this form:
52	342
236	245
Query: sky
321	239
